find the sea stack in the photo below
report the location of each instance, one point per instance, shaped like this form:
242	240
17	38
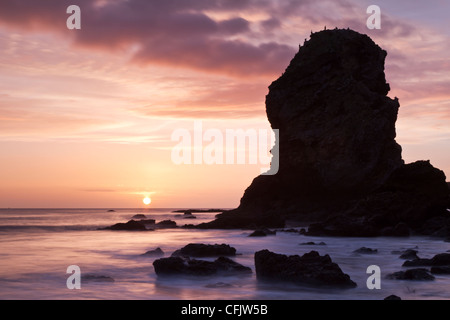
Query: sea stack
339	163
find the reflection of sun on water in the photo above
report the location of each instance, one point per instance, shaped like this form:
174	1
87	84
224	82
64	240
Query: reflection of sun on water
147	201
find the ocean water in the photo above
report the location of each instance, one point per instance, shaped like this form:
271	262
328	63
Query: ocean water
37	246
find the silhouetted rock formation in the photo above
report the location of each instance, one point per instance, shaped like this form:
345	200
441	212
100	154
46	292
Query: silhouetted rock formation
412	274
165	224
154	253
131	225
364	250
339	163
193	267
442	259
309	269
205	250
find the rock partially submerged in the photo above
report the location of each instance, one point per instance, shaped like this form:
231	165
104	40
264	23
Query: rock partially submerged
262	233
154	253
90	277
166	224
311	243
131	225
409	254
440	270
205	250
419	274
393	297
442	259
194	267
310	269
364	250
139	216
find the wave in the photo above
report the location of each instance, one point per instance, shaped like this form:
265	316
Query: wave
49	228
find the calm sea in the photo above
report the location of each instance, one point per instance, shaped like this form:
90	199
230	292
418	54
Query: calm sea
37	246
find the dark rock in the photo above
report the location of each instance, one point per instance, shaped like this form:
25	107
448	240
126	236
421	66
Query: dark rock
262	233
313	244
111	210
154	253
166	224
205	250
440	270
219	285
364	250
131	225
442	259
392	297
258	233
409	254
340	165
95	278
310	269
412	274
187	266
139	216
189	216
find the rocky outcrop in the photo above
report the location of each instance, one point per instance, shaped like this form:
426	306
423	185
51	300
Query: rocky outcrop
262	233
165	224
364	250
90	277
205	250
442	259
131	225
310	269
311	243
194	267
412	274
340	167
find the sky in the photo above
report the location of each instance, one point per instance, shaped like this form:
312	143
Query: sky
87	116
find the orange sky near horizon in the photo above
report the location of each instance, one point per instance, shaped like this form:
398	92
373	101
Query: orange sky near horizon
86	116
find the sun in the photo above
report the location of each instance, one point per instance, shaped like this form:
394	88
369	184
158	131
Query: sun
147	201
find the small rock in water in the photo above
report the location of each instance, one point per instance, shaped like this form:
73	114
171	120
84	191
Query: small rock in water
313	244
262	233
409	254
96	278
393	297
365	250
166	224
139	216
131	225
154	253
412	274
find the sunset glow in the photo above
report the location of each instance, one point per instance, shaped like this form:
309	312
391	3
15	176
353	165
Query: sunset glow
89	113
